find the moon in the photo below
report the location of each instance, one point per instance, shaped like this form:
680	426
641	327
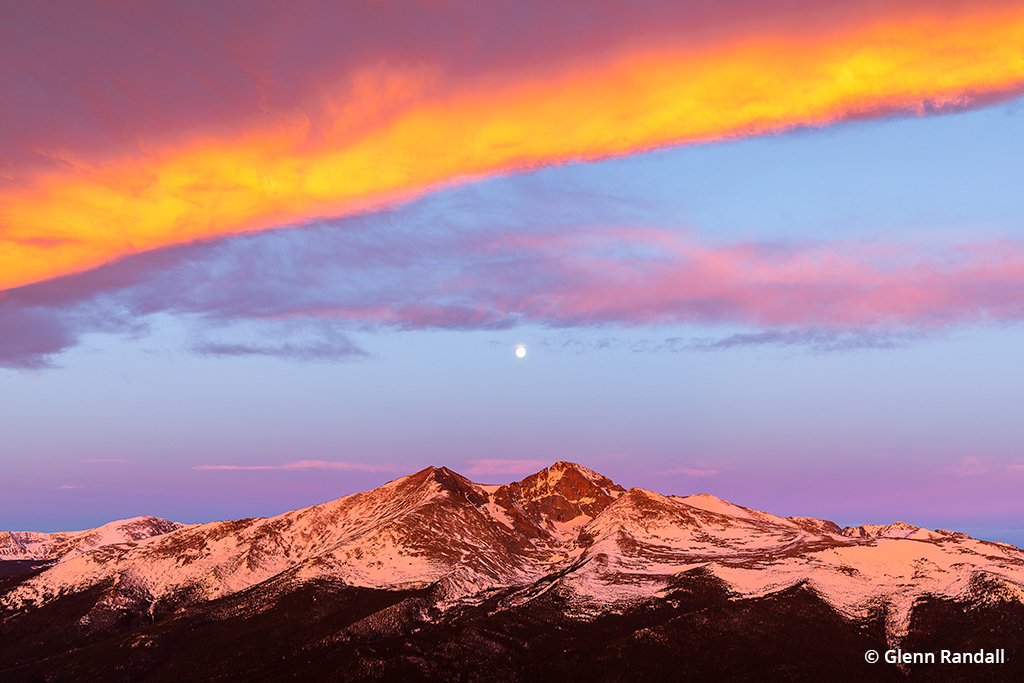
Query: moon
521	351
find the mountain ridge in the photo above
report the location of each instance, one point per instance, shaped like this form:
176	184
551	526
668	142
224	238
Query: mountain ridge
605	545
34	545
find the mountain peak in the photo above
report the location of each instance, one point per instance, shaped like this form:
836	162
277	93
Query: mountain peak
557	501
815	525
456	484
894	530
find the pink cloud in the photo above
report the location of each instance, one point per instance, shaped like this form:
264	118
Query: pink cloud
648	276
237	467
969	467
695	472
479	467
331	465
828	295
845	285
306	465
697	469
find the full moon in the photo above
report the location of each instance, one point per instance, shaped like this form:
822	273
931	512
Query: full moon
521	351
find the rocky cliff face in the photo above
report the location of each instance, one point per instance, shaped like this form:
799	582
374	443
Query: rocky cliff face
556	502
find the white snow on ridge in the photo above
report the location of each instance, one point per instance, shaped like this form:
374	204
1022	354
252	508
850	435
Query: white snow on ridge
32	545
710	503
894	530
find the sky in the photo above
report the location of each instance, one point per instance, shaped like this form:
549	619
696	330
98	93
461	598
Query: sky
254	259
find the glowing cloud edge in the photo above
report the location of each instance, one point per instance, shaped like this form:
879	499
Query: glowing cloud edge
61	223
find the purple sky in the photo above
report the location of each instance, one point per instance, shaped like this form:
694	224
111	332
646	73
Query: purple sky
823	322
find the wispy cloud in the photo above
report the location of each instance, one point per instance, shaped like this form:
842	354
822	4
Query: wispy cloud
238	467
970	466
696	469
815	340
328	345
306	465
301	293
68	486
484	467
697	473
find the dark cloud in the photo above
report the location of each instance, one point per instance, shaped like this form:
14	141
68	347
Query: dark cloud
29	337
320	341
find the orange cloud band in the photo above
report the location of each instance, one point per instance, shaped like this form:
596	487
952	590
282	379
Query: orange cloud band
399	133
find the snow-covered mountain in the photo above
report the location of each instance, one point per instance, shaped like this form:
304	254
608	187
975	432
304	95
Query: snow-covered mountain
565	531
437	525
413	531
63	545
